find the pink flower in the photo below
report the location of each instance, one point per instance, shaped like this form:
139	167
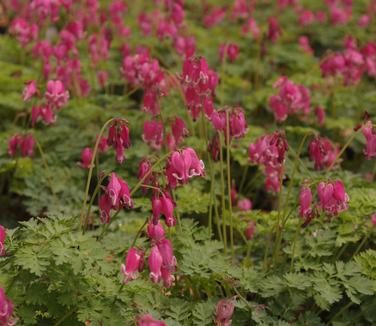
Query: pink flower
370	135
183	165
332	196
291	99
86	157
3	235
56	95
274	31
214	17
185	45
269	151
224	311
6	310
116	196
364	21
304	44
244	204
305	201
168	262
27	145
155	264
23	31
238	123
155	230
250	230
144	172
373	219
13	144
251	26
148	320
322	152
134	263
179	130
320	114
153	134
119	139
30	90
230	50
198	83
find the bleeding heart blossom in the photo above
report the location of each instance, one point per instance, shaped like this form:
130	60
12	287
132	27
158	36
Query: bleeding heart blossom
244	204
332	197
322	152
134	264
183	165
56	95
86	157
369	134
249	232
30	90
153	134
6	310
118	138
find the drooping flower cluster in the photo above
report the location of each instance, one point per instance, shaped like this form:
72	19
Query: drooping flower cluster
332	197
140	70
6	310
23	144
274	29
292	98
332	200
116	196
250	230
3	236
322	152
56	97
228	51
269	151
24	31
237	122
369	134
183	165
198	82
118	138
163	204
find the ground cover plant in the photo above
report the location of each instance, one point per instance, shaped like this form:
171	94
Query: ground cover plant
187	162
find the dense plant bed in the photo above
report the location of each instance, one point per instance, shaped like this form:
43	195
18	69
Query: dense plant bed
186	162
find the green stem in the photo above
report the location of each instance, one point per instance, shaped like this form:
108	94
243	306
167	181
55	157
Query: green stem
67	315
361	244
294	247
223	195
88	180
177	211
229	182
342	151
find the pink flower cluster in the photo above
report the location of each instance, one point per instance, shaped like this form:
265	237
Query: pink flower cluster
6	310
148	320
352	63
161	260
117	195
3	236
162	204
118	138
228	51
198	83
332	200
292	98
322	152
24	31
369	134
56	97
142	71
269	151
21	143
237	122
183	165
250	230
